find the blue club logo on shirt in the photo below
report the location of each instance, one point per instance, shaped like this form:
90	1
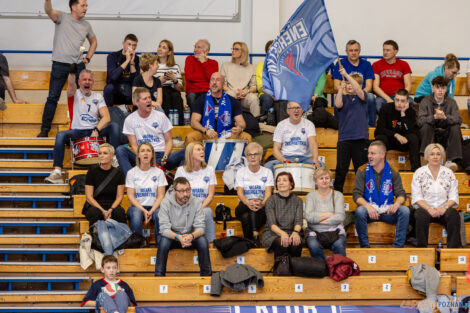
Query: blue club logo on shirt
264	179
155	125
302	131
95	101
154	179
206	179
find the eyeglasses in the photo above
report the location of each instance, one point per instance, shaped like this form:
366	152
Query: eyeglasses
253	154
295	108
236	49
183	190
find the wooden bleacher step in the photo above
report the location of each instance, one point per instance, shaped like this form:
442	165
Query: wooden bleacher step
49	280
34	239
34	200
36	213
27	141
38	225
38	187
35	296
190	289
50	309
29	163
454	260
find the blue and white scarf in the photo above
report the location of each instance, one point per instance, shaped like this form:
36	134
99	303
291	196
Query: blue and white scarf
382	199
224	120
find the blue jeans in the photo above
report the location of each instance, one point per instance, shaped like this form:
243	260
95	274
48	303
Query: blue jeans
120	93
118	117
126	158
111	132
209	229
316	248
301	159
136	218
266	102
166	244
400	218
59	75
120	303
371	109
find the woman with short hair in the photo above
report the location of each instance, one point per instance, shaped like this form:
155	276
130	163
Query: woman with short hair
149	67
435	197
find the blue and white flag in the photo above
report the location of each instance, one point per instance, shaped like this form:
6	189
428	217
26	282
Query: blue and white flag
300	54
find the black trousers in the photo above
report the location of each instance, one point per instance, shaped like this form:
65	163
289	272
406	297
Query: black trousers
279	250
412	145
347	150
94	214
450	220
251	221
172	100
452	141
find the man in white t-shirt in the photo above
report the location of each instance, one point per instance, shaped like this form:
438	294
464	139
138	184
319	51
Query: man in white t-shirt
90	118
294	140
146	125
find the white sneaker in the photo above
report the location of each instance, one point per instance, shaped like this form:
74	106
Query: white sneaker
453	166
54	178
464	126
114	162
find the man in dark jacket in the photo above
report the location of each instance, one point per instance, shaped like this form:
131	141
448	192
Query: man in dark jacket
397	128
122	67
439	121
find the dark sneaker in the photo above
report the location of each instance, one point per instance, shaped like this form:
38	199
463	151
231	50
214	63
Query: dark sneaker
43	133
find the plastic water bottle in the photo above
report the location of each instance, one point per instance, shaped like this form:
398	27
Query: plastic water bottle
172	117
187	116
177	117
438	255
271	120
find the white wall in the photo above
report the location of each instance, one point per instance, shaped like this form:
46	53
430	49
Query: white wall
421	28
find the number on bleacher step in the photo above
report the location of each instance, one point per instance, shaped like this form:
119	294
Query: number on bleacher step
346	206
230	232
299	288
163	288
462	259
386	287
468	206
195	260
413	259
401	159
372	259
321	158
252	289
444	233
206	289
240	259
344	287
153	259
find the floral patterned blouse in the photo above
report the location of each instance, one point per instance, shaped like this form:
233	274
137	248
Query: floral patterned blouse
434	192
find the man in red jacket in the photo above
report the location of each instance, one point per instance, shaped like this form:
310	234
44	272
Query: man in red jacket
198	69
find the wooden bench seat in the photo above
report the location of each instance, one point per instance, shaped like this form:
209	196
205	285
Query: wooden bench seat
454	260
193	289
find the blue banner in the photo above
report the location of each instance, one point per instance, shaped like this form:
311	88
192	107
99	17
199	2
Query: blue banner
300	54
276	309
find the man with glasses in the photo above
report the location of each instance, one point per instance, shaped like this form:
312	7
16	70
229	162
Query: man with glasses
294	140
181	220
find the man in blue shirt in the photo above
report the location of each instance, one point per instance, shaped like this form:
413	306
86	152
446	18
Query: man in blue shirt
354	64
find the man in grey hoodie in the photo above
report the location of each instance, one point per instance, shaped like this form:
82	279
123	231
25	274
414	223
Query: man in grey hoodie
182	226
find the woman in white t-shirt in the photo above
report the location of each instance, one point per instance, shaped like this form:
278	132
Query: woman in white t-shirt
145	189
202	179
254	186
169	74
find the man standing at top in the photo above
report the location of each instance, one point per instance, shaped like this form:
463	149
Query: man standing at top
70	33
391	74
354	64
198	70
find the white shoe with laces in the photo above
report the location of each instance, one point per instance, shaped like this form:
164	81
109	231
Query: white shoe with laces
54	178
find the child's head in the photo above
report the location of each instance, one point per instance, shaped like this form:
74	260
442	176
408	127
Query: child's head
439	87
109	267
358	79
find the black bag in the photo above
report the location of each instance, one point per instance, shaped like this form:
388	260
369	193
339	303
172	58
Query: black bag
223	214
135	241
282	266
77	184
327	238
320	117
95	240
233	245
308	267
466	156
252	126
280	107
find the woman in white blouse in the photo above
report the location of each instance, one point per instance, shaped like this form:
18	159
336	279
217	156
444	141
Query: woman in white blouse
202	179
435	197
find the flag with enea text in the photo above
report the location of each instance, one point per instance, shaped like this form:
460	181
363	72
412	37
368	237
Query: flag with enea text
300	54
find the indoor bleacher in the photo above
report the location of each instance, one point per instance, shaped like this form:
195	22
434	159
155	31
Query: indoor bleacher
41	226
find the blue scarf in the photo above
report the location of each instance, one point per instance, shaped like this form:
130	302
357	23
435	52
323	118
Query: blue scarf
381	199
224	120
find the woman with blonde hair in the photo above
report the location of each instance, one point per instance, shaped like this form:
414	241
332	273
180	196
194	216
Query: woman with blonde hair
202	179
449	70
145	189
240	78
146	79
435	197
324	212
169	74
